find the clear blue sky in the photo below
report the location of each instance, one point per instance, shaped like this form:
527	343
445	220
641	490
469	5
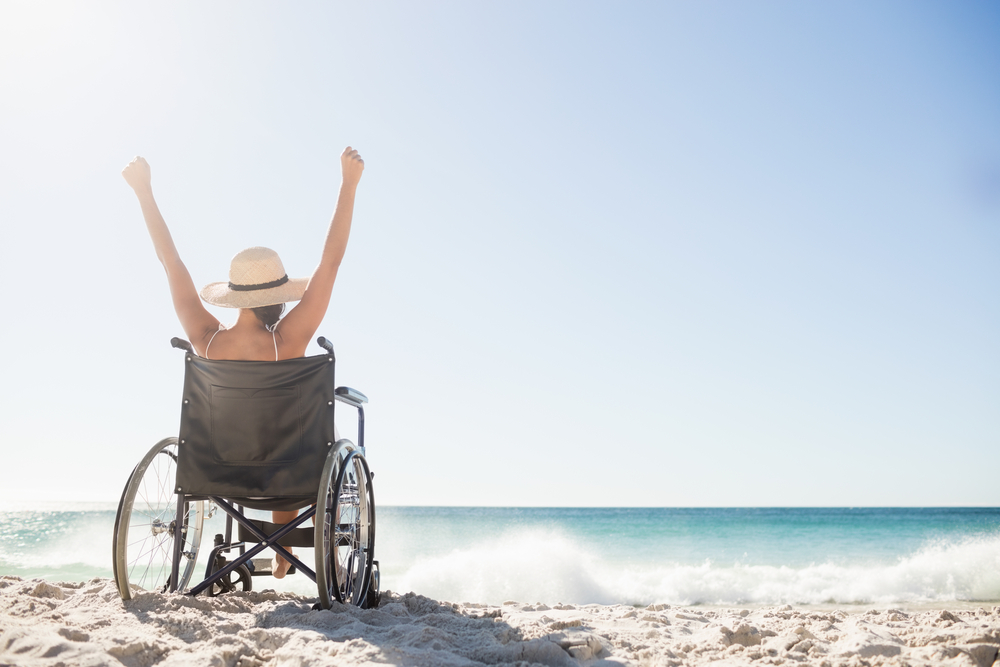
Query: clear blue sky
714	253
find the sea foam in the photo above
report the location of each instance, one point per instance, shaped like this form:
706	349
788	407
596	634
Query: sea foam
448	558
541	566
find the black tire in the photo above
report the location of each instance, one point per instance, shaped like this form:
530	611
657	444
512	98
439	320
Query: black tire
345	528
143	535
240	577
374	595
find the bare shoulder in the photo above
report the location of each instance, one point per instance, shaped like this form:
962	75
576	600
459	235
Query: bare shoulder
300	324
200	337
292	341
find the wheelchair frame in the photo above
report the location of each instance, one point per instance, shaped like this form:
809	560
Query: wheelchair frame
343	535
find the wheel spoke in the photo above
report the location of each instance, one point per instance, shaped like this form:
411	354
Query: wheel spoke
347	551
144	539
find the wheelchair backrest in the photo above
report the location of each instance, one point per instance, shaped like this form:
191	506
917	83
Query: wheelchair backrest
252	429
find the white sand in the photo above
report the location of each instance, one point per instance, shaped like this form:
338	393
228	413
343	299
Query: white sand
49	624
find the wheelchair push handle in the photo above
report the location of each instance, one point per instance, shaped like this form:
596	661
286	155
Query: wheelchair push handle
181	344
325	344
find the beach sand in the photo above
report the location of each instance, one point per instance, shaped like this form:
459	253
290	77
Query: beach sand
50	624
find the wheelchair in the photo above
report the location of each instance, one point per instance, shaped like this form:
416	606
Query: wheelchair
253	435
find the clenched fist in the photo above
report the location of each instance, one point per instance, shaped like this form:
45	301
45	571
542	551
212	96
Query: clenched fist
351	165
136	173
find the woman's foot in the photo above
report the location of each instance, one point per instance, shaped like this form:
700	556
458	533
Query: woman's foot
279	567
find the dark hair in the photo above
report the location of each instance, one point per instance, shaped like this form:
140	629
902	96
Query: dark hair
269	315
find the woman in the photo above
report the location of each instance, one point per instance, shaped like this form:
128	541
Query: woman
257	286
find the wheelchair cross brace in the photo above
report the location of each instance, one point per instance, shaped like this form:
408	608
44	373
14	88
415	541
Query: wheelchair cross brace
266	541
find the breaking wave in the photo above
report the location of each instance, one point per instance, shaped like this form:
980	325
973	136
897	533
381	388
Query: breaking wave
540	566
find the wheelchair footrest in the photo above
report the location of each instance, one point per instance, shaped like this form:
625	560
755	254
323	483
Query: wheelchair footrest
299	537
262	568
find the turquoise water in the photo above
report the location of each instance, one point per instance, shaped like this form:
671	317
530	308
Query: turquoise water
608	555
763	536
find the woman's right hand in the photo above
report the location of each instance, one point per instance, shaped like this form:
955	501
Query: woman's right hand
351	165
136	174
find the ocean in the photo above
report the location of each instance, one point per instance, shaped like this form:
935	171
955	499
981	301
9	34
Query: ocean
686	556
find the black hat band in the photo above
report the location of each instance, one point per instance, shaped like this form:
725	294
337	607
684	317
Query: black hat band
253	288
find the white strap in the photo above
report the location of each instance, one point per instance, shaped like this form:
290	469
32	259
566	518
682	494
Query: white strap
273	337
213	338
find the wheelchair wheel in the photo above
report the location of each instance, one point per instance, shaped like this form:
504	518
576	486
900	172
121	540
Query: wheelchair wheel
147	515
239	577
345	528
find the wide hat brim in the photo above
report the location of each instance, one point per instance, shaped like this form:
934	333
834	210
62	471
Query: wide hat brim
220	294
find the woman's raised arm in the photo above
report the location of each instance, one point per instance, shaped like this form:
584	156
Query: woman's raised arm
298	327
198	323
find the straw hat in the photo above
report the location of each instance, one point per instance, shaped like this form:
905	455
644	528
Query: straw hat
256	278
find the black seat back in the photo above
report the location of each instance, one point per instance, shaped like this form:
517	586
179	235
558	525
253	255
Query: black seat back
256	429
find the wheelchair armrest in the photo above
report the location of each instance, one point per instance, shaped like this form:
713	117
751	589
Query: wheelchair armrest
350	396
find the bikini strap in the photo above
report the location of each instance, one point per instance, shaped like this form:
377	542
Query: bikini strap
275	339
213	338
